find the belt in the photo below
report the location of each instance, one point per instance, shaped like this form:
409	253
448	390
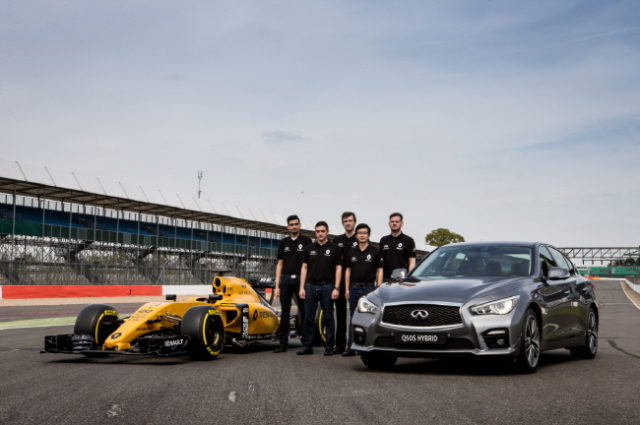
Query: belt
292	276
363	284
321	283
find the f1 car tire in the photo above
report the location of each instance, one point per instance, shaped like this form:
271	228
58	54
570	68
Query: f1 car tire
97	320
205	329
380	361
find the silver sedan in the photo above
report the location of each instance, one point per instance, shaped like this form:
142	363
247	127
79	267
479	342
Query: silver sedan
514	300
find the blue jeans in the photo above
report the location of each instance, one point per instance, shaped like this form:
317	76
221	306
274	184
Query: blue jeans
289	287
313	295
355	292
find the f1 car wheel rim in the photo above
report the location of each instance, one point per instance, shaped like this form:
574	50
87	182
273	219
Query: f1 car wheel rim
532	341
212	334
592	333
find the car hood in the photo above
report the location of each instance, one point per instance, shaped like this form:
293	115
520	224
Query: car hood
448	290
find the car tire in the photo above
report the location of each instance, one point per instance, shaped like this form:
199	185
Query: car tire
379	361
530	348
589	349
319	331
205	329
97	320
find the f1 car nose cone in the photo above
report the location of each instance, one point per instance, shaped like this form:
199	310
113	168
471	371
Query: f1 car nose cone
419	314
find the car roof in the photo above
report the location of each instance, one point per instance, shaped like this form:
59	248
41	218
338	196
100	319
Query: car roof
497	243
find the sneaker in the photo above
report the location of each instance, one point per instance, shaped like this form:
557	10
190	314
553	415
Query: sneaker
280	349
305	351
338	350
349	353
328	351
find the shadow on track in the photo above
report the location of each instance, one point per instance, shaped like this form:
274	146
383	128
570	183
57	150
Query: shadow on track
468	366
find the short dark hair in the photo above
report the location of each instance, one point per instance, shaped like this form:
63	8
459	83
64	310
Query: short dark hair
322	223
396	214
292	217
363	226
348	214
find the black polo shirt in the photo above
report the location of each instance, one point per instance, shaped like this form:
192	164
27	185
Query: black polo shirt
291	252
396	251
364	264
345	243
321	261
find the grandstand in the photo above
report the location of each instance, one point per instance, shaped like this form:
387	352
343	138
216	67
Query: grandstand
67	235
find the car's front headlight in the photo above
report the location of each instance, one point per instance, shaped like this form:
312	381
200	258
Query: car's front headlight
366	306
503	306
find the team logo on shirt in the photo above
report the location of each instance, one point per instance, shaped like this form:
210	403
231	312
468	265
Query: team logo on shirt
313	252
286	249
327	252
399	246
340	244
368	258
354	243
354	259
385	247
299	247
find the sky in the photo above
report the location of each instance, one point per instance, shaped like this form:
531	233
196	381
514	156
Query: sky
499	120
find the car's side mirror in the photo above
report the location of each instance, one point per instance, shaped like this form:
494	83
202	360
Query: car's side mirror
214	297
398	275
558	273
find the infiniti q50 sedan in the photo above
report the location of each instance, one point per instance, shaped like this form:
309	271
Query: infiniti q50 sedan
485	299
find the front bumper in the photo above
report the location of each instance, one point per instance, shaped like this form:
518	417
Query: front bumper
488	335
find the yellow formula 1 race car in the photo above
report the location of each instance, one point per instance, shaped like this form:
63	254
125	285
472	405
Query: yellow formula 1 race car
234	314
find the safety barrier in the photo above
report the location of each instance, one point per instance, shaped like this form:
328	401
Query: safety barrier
84	291
633	286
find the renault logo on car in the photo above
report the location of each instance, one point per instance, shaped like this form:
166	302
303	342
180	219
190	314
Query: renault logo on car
419	314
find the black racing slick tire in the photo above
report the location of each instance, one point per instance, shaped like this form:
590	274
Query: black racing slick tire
97	320
379	361
530	344
205	329
590	347
319	330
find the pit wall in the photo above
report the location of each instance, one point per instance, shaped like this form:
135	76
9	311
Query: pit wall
75	291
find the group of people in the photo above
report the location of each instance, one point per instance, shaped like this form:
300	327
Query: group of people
334	273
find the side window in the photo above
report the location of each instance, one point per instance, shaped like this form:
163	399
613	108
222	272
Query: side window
572	268
546	260
560	260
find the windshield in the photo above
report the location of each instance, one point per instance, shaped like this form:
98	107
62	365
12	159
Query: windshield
475	261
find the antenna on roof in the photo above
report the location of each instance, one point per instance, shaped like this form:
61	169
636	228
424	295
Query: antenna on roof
199	182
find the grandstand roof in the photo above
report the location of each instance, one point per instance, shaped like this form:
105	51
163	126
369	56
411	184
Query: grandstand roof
15	180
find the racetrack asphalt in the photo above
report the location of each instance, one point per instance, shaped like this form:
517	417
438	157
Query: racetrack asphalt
257	386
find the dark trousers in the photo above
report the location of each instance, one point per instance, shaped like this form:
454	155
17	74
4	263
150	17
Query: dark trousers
355	292
315	294
341	319
289	287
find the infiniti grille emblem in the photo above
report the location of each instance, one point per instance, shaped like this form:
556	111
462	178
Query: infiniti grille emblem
419	314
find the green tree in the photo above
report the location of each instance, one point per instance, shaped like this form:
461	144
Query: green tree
442	236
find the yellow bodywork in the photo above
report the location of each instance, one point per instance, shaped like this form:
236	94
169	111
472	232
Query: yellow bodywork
245	315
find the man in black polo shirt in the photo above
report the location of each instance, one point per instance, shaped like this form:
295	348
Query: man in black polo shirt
320	282
364	273
345	241
288	264
398	249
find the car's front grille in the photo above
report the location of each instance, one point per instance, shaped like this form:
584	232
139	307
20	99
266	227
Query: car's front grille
421	315
452	344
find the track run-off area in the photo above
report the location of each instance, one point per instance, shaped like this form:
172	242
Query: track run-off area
256	386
